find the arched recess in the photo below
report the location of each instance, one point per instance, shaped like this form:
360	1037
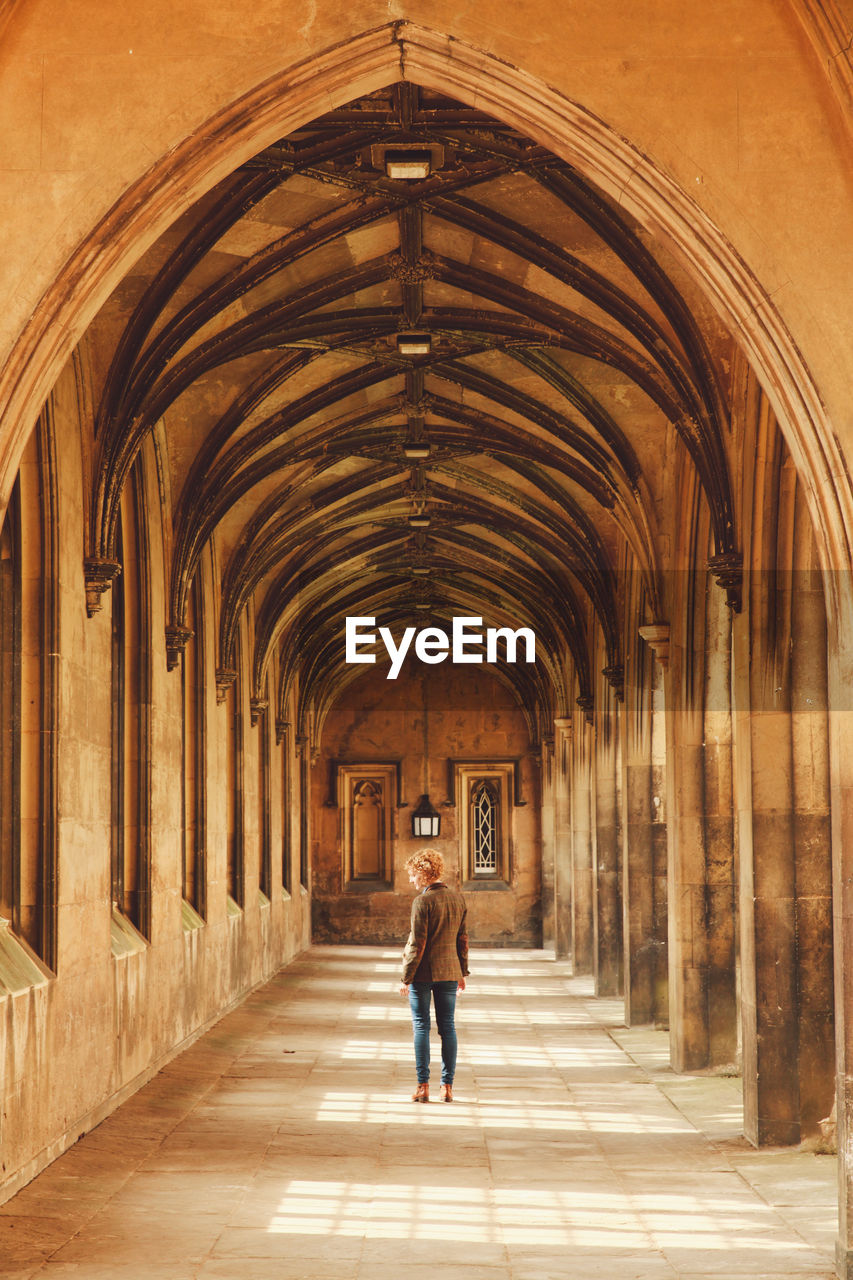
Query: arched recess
404	50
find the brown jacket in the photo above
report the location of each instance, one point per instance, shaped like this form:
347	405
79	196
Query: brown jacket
437	948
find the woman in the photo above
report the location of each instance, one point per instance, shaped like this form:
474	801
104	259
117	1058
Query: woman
435	964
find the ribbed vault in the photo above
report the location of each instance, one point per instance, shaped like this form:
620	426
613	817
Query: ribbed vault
570	361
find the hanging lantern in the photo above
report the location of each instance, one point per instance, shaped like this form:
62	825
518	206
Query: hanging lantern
425	820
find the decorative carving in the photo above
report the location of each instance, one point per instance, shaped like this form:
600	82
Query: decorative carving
418	408
281	728
301	744
225	677
257	706
728	571
615	677
98	574
656	636
177	639
586	702
423	268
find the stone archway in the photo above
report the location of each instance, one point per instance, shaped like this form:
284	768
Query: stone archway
404	50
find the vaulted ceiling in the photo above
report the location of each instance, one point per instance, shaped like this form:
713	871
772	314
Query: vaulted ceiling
260	337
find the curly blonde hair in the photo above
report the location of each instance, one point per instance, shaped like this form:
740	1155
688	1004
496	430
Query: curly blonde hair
428	861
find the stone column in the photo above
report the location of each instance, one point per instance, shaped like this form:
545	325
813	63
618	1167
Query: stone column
644	861
840	701
812	843
768	885
583	837
562	839
607	915
684	806
546	761
700	936
719	836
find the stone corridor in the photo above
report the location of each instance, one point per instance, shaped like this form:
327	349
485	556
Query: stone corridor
282	1145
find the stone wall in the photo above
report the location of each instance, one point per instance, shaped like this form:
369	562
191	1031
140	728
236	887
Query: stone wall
77	1039
470	716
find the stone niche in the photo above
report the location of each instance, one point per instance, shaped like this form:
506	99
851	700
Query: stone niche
369	777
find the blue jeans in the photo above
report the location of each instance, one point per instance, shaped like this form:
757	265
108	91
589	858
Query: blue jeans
444	995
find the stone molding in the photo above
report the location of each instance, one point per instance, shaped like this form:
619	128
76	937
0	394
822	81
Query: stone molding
728	572
257	707
225	677
656	636
586	702
177	639
98	574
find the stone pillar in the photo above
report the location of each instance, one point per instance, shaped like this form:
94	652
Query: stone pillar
582	846
784	858
812	844
699	833
607	914
546	761
644	860
719	837
562	839
840	701
684	806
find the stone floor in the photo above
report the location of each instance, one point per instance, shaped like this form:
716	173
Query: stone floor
283	1145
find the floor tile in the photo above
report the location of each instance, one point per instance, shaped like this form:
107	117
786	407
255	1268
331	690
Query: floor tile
283	1146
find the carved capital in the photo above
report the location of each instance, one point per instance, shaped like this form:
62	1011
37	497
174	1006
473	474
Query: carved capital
301	744
615	677
98	574
728	572
176	641
586	702
281	728
257	707
656	636
225	677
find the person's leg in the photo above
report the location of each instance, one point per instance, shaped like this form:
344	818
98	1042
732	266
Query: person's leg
444	994
419	998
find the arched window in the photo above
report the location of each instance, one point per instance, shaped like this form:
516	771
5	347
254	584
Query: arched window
234	780
264	850
131	705
29	661
485	812
287	811
484	792
10	711
194	825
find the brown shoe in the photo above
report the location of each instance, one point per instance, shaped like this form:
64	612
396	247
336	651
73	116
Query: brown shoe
447	1093
421	1094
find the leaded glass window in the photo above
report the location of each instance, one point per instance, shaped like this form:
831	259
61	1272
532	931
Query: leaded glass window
484	829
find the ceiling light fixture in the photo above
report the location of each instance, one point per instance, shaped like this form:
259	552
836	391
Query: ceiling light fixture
414	344
416	449
408	166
